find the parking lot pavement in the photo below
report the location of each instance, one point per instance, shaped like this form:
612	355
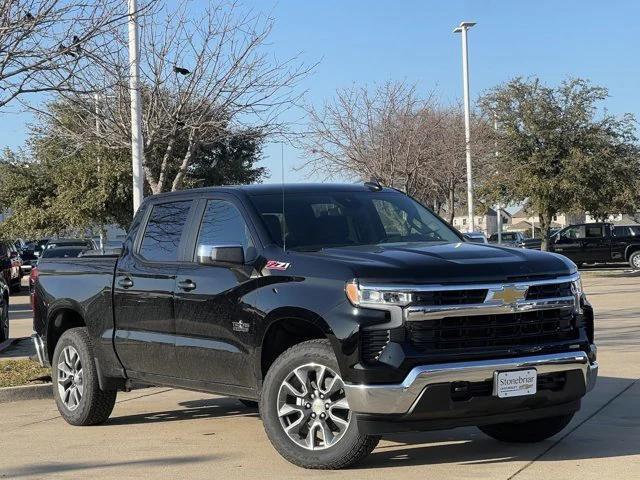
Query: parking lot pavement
166	433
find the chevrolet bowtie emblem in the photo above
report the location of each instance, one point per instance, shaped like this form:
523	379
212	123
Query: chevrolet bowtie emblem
508	294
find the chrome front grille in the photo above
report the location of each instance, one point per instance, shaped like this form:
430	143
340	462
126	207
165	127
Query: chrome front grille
553	290
451	297
486	331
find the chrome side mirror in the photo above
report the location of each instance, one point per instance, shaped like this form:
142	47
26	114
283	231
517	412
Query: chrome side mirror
220	255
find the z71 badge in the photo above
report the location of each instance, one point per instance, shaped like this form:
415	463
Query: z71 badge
276	265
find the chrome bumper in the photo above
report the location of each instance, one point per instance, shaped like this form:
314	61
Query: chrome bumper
39	347
401	398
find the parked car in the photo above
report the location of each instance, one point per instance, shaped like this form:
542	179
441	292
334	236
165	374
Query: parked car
11	265
516	239
599	243
347	311
476	237
29	256
4	310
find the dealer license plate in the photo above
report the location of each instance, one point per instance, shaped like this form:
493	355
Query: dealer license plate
515	383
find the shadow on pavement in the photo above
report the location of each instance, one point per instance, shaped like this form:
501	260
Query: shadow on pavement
195	409
40	469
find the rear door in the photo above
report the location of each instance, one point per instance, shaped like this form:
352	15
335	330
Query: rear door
596	246
214	323
143	291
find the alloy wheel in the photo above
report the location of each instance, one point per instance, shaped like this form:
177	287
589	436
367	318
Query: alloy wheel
312	407
70	378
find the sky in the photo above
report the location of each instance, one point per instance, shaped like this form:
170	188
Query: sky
359	42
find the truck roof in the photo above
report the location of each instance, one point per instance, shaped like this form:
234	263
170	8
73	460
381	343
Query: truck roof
277	188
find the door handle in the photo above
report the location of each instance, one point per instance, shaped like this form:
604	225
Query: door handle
187	285
125	282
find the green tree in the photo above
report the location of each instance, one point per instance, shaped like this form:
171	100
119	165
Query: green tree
55	186
559	152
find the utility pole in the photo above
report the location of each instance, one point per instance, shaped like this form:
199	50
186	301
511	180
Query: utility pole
495	127
463	28
137	151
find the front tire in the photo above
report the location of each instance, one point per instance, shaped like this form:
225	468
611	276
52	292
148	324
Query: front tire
634	260
305	411
527	432
75	381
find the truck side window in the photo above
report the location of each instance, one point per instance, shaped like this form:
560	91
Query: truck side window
164	229
594	231
223	224
573	233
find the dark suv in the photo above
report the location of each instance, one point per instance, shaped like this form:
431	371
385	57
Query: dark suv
11	265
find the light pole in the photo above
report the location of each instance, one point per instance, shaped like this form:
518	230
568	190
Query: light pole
137	151
495	127
463	28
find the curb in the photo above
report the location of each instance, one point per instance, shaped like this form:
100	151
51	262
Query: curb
26	392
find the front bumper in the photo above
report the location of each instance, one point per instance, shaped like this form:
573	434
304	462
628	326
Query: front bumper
401	399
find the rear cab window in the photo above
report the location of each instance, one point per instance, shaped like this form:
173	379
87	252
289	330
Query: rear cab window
163	232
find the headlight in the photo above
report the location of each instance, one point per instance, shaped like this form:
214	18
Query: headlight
576	286
363	296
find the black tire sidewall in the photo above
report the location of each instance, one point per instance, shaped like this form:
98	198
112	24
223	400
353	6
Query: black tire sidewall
78	339
632	258
307	352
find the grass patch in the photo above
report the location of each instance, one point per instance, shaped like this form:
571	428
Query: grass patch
22	372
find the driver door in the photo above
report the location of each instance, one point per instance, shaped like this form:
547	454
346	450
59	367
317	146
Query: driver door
214	326
570	243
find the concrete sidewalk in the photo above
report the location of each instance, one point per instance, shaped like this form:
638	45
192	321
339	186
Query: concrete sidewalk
166	433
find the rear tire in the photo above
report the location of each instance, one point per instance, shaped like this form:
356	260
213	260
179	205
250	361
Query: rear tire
634	260
527	432
75	381
16	286
318	409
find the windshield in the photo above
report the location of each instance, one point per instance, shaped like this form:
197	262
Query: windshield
313	221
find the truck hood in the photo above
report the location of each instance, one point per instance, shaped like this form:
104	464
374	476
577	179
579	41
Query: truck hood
463	262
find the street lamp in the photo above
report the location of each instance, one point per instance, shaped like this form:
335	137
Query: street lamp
463	28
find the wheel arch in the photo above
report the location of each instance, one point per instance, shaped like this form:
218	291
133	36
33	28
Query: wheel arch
60	319
631	249
286	327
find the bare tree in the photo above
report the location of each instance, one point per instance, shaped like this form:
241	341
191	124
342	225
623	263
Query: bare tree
203	73
396	136
44	44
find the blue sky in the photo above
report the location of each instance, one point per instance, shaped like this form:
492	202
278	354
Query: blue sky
368	42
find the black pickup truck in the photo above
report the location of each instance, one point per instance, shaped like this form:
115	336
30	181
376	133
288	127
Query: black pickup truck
346	311
599	243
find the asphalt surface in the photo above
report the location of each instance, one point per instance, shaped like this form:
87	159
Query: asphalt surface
166	433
